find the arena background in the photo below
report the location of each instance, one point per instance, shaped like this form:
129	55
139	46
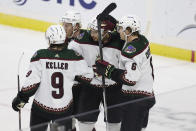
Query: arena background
170	25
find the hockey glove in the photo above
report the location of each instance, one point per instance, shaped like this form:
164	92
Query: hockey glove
104	68
82	79
19	102
95	71
108	21
101	17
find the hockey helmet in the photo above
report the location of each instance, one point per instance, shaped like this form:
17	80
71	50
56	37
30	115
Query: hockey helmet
72	17
131	21
55	34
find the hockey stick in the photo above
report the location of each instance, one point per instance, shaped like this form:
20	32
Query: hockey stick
105	12
18	79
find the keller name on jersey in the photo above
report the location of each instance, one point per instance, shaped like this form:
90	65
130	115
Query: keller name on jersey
56	65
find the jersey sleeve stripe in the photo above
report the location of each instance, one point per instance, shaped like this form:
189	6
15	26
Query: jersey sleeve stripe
138	92
127	81
30	87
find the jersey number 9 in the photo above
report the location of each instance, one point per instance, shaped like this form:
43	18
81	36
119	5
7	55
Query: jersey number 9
57	83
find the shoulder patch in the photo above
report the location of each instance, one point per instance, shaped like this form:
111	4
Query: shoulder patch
130	49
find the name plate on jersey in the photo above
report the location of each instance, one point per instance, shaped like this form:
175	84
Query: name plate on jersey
56	65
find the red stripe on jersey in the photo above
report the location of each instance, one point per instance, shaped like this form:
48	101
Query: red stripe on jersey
57	59
138	92
127	81
50	109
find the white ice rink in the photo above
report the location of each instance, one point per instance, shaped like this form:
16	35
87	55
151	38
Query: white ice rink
175	85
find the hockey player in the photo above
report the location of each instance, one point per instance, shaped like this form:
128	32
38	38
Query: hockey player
135	73
71	22
90	98
50	77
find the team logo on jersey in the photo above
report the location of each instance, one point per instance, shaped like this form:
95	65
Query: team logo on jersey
28	73
130	49
57	56
80	36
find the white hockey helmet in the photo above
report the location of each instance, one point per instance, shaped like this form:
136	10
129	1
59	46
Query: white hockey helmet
55	34
131	21
72	17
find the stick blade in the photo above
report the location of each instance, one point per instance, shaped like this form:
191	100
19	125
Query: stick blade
109	8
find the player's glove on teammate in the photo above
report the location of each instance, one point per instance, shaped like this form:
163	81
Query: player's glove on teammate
104	68
19	102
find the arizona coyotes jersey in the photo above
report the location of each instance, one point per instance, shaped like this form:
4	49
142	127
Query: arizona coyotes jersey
136	59
89	49
51	77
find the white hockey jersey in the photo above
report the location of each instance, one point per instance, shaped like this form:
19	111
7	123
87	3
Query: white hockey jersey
90	51
136	59
51	77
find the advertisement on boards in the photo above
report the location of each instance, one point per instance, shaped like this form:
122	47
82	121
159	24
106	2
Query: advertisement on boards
52	10
170	22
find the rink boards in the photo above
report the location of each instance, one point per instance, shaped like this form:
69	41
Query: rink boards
156	48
